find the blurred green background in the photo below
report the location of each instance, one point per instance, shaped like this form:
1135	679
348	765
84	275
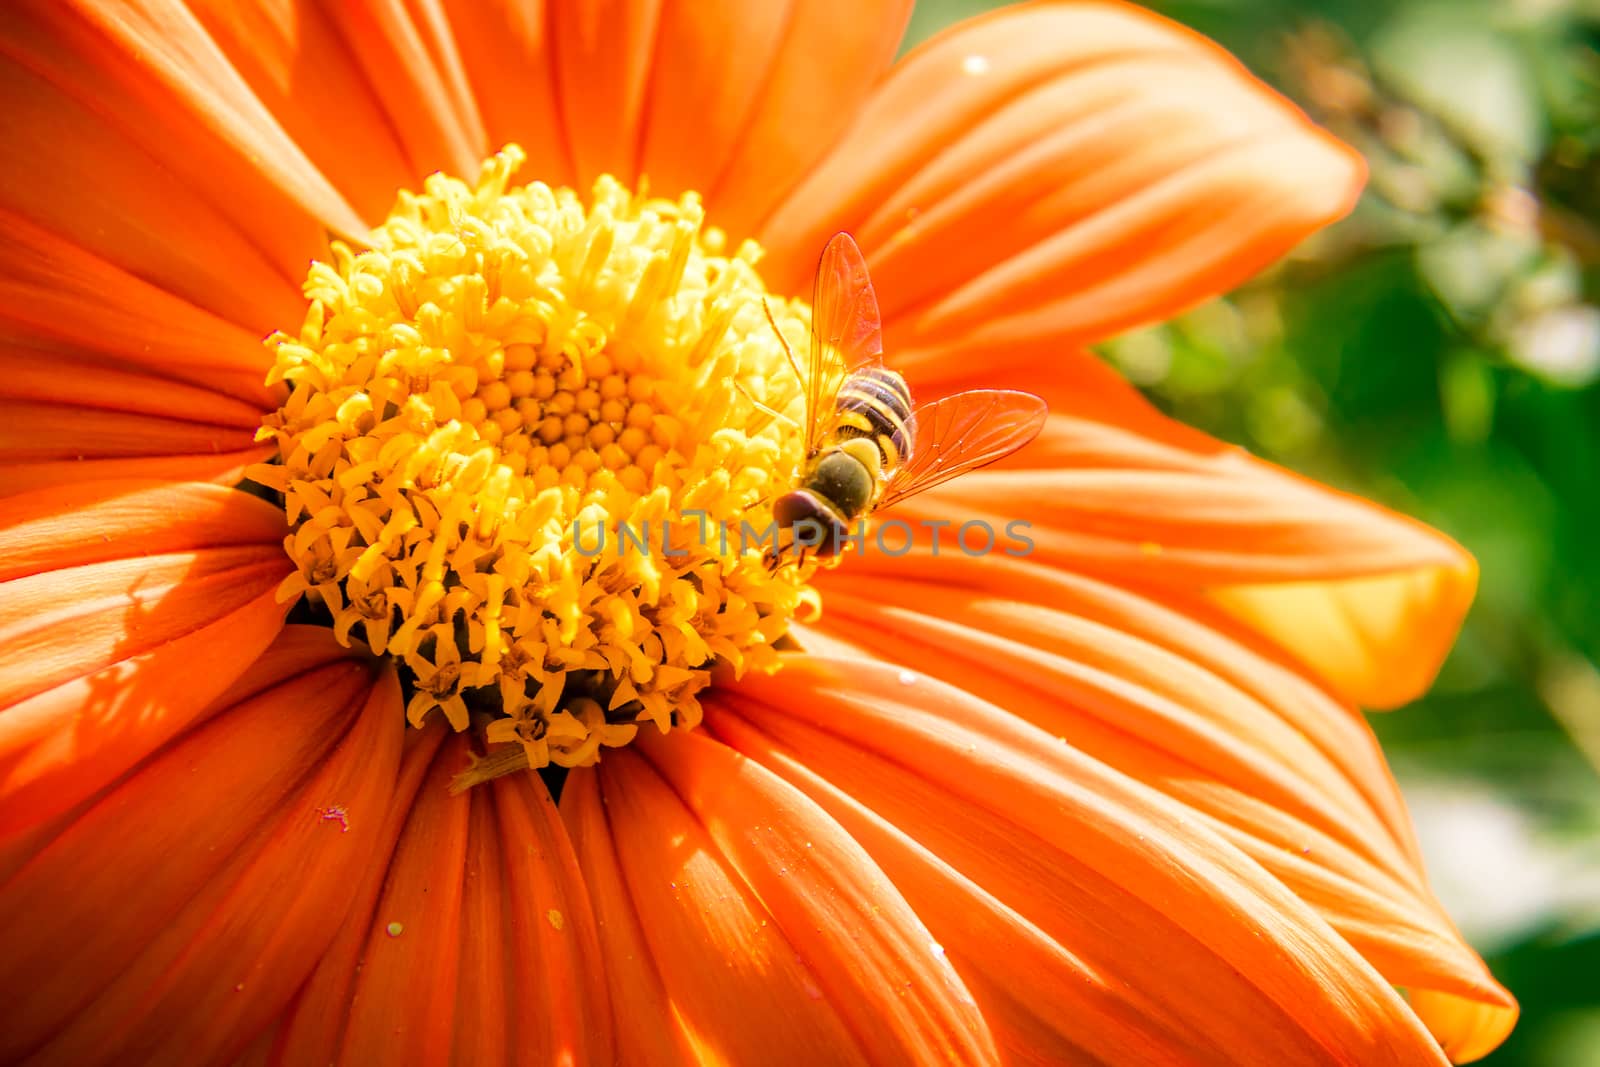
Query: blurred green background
1440	352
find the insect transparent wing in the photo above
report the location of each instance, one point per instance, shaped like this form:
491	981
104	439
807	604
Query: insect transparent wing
846	331
963	432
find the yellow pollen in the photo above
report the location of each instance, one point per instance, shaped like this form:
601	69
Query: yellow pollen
517	428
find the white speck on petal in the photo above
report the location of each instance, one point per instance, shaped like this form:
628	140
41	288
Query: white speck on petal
975	65
908	677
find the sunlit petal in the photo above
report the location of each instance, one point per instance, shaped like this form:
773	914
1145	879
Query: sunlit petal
1062	171
765	921
1368	599
1138	894
1190	703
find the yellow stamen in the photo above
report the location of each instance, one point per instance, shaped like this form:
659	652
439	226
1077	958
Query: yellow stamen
517	429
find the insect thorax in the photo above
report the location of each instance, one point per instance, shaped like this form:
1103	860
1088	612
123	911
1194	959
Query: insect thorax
847	476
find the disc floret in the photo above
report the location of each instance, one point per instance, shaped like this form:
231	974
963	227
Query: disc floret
511	423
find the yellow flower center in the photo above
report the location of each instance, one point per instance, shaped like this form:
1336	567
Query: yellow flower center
524	454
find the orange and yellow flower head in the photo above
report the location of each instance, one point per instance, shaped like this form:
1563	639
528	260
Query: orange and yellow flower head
381	380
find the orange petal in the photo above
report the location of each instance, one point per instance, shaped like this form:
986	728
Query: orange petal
779	103
1381	638
301	70
67	418
710	64
736	988
555	955
32	378
1174	939
55	295
521	889
298	649
259	1053
772	932
731	100
74	171
223	468
1062	171
108	650
867	950
1165	697
1044	1003
155	74
508	50
1369	600
1178	697
471	941
1469	1030
483	1028
220	867
603	53
414	939
653	1030
35	432
313	1026
46	530
409	57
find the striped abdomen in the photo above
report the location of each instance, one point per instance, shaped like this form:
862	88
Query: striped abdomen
875	403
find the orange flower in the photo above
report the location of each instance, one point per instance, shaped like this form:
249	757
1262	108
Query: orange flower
1109	801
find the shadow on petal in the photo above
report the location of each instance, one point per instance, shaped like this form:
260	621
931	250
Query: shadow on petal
111	648
212	877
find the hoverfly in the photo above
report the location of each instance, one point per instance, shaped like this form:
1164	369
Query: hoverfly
866	448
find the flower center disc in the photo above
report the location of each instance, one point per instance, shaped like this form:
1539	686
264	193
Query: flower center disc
522	437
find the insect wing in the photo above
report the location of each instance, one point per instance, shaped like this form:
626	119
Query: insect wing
846	332
963	432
